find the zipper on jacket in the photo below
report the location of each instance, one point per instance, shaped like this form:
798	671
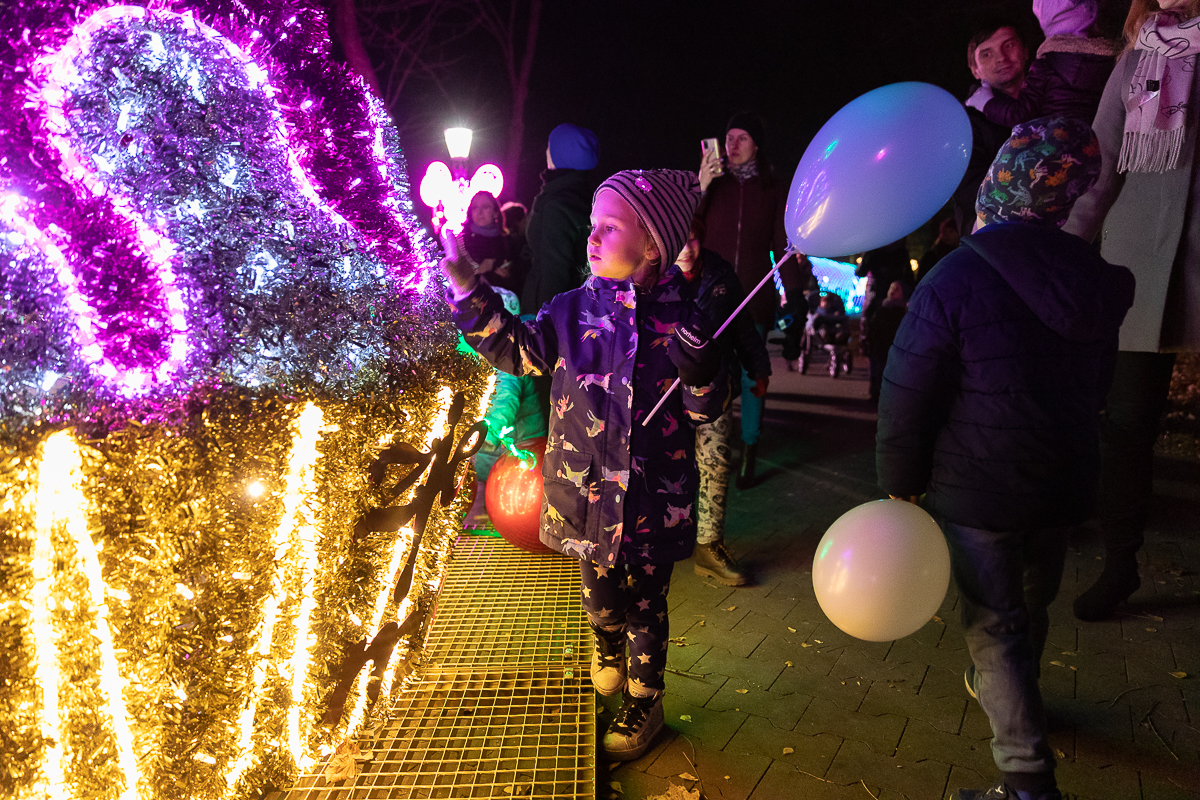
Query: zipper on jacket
737	242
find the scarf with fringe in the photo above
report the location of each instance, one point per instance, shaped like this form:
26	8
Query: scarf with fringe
1159	96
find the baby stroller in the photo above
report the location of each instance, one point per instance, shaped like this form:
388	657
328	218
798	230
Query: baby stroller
827	329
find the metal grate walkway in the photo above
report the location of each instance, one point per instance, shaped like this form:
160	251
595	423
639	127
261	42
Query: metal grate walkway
502	705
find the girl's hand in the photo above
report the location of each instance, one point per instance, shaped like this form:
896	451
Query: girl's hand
461	274
760	387
708	163
912	498
486	265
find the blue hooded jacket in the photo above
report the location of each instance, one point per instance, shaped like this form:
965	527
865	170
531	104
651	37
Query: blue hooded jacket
993	388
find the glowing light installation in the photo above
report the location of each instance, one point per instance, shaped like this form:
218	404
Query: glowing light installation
205	230
75	188
449	198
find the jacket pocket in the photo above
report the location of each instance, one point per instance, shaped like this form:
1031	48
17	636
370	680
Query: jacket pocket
567	477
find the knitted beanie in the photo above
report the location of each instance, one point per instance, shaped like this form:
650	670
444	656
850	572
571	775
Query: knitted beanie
573	147
750	123
1044	167
665	200
1071	17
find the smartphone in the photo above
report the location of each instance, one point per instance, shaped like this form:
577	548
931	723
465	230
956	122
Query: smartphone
710	146
449	243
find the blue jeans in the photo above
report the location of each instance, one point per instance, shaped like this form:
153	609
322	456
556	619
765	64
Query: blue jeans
752	407
1006	581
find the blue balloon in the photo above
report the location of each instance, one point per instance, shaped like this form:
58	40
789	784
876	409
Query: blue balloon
878	169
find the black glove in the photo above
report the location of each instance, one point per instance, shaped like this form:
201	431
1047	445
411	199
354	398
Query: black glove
693	352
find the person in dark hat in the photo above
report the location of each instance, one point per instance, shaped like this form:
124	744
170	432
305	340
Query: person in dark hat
742	213
558	221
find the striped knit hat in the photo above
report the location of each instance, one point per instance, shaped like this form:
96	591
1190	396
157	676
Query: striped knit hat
665	201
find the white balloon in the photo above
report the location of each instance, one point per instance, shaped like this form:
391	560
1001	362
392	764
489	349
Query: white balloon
881	570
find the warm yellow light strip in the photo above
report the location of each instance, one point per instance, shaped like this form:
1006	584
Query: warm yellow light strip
301	468
59	496
53	471
399	549
308	428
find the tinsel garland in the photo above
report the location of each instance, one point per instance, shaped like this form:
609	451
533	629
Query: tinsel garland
216	304
267	169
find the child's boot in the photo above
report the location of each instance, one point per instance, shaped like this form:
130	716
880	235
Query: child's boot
714	560
633	730
608	660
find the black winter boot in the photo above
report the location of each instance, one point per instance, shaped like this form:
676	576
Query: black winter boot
1117	581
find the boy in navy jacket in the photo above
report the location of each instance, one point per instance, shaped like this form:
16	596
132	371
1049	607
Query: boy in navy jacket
990	408
619	495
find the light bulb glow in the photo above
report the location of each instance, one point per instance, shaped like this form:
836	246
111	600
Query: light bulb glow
458	142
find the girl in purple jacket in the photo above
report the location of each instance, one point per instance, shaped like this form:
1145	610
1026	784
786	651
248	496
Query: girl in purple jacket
619	494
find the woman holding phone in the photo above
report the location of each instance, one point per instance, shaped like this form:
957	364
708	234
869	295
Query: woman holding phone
742	212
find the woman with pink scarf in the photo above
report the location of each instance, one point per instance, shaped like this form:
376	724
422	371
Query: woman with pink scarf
1145	212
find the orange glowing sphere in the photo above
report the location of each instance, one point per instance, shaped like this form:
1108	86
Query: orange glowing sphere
513	497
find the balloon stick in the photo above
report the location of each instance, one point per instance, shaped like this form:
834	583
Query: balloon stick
720	330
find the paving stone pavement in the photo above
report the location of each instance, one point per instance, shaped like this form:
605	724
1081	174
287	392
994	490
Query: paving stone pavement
781	704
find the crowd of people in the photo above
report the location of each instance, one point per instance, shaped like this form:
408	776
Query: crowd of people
1020	370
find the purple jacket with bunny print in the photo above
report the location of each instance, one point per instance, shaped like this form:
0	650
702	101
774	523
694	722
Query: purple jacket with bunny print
615	490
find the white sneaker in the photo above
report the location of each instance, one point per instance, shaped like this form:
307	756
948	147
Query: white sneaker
608	666
634	729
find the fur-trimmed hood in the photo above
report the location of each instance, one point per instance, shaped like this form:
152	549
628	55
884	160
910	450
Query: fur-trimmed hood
1068	43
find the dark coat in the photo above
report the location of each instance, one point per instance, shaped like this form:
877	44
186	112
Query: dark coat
718	294
557	235
986	139
615	490
743	223
993	388
1066	79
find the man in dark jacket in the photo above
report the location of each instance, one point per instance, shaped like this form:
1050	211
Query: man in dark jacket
1068	75
558	222
990	408
996	55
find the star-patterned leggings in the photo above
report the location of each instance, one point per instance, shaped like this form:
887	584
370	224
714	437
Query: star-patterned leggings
630	601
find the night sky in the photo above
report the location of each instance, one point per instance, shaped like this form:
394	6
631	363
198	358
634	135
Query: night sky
653	77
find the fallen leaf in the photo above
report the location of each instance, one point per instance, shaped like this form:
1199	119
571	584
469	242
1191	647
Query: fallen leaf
1057	664
616	787
742	691
1151	630
701	623
787	751
686	717
687	776
1178	674
731	608
1060	755
818	641
936	618
788	664
805	644
1070	652
790	628
677	792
